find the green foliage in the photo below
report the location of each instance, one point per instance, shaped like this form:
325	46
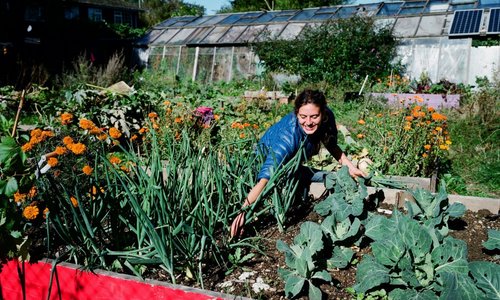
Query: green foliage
302	258
493	241
342	51
258	5
159	10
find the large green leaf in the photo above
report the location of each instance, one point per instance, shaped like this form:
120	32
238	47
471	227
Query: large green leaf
456	210
11	187
389	252
379	227
459	286
487	277
451	256
341	257
314	292
411	294
10	152
493	241
310	235
370	274
293	285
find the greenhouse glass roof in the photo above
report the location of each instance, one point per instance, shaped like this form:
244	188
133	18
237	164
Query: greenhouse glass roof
416	18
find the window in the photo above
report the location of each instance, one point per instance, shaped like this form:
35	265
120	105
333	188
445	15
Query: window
33	13
118	17
95	14
71	13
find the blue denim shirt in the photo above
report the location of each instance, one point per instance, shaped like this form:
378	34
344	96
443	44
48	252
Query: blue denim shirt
282	141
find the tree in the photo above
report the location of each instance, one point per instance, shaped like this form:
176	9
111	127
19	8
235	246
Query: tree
257	5
160	10
343	51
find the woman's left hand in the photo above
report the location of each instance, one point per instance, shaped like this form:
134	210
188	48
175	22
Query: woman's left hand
355	172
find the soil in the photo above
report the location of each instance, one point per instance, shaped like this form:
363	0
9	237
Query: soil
472	228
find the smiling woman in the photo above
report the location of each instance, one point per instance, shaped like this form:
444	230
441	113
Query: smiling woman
311	124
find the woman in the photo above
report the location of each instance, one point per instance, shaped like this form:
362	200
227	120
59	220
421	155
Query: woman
312	123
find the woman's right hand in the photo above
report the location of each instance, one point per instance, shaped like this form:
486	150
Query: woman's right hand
237	226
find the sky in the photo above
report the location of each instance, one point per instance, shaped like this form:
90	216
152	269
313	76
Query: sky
211	6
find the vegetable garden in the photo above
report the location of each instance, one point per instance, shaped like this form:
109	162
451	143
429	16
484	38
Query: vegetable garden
147	180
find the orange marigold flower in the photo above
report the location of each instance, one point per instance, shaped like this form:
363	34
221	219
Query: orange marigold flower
60	150
245	125
417	108
407	127
360	136
19	197
124	169
361	122
87	124
427	147
67	140
439	129
74	201
143	130
178	120
36	132
114	160
166	103
95	131
430	109
255	126
177	136
114	133
409	118
77	148
32	192
242	135
152	115
66	118
379	115
45	212
87	170
52	161
30	212
134	137
425	155
216	117
234	125
102	137
438	117
46	134
27	147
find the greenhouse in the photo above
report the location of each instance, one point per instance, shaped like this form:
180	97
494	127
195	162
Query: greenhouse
436	37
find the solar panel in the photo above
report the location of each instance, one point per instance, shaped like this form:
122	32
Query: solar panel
466	22
494	22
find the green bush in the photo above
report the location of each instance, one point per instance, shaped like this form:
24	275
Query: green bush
342	52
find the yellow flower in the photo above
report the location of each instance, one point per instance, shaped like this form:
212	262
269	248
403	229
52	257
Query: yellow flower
74	201
216	117
32	192
439	129
407	127
19	197
66	118
448	142
114	133
87	170
30	212
52	161
443	147
361	122
60	150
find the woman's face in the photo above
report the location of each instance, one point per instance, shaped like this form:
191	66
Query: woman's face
309	116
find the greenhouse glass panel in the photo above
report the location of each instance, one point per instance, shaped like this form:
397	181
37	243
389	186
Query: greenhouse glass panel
304	15
204	67
453	59
383	23
461	7
266	17
167	22
223	64
165	37
414	3
198	35
182	21
199	21
214	35
291	31
250	34
488	3
368	9
215	19
425	58
389	9
406	27
281	18
244	63
166	60
232	34
431	25
186	62
149	37
271	31
248	18
231	19
346	11
181	36
327	10
323	16
436	6
411	11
